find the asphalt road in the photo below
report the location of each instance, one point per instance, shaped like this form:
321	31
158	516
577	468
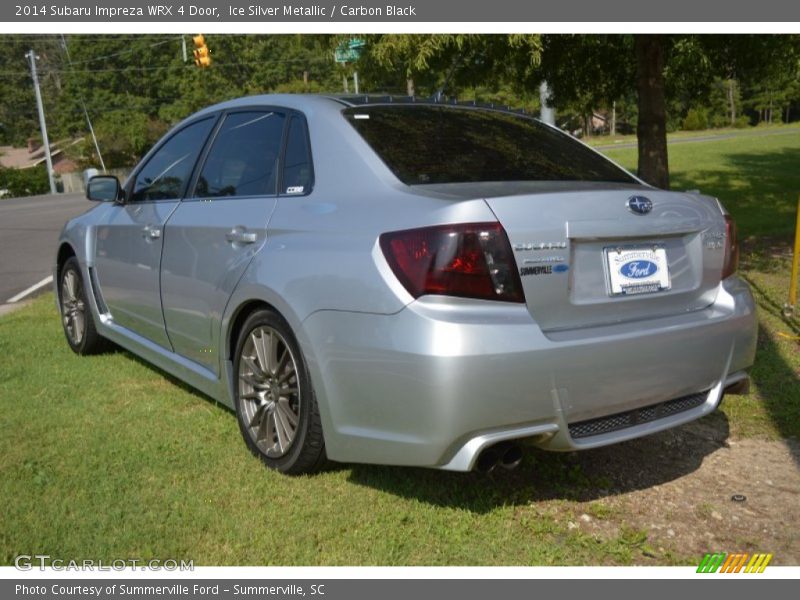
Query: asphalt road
29	229
704	138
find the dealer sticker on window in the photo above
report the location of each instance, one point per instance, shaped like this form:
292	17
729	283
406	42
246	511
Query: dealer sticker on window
640	270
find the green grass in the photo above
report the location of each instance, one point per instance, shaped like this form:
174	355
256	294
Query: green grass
106	457
607	140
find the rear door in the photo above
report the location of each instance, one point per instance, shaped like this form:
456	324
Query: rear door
213	235
129	241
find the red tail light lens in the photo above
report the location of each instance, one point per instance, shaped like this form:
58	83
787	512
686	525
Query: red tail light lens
472	260
731	248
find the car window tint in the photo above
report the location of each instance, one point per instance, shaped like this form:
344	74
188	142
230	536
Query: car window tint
167	171
438	144
297	170
244	156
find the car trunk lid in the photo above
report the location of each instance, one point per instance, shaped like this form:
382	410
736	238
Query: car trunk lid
570	246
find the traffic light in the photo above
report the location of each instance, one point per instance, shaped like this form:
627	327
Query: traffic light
202	56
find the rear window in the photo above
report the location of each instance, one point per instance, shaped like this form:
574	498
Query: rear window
446	144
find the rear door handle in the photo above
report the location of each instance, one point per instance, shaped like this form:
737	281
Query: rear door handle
151	231
239	235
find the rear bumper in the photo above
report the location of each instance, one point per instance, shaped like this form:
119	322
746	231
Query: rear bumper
439	381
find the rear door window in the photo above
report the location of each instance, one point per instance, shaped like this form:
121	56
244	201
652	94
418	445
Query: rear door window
243	159
448	144
298	173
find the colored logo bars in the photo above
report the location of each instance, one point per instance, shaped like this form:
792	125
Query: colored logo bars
734	563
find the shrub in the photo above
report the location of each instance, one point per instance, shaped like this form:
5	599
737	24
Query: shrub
695	120
24	182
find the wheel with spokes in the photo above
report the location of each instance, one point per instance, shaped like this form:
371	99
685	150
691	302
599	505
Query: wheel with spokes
275	405
76	316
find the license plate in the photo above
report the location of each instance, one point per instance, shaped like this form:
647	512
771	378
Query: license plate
640	270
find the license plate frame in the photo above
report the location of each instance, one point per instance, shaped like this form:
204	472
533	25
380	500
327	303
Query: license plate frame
634	270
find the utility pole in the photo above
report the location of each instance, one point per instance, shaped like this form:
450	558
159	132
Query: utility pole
547	114
31	56
355	80
83	104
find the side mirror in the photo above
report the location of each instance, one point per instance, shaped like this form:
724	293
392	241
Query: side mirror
104	188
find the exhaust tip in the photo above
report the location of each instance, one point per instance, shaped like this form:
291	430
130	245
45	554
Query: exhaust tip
504	454
487	460
511	458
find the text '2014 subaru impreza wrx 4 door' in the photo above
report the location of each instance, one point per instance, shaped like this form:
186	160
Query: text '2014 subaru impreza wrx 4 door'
409	283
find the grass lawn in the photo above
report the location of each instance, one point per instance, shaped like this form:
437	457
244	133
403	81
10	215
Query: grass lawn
106	457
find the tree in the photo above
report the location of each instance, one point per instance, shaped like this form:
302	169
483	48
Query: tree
662	69
427	64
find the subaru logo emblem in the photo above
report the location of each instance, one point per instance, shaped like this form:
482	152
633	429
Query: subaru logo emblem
640	205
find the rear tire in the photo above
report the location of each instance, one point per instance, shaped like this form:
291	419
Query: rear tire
275	404
76	315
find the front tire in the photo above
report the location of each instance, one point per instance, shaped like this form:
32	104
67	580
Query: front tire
76	315
276	409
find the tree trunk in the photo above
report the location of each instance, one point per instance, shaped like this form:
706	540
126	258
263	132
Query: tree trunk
732	100
651	129
410	89
614	118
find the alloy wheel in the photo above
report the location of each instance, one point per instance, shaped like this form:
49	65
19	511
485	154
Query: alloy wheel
73	308
269	392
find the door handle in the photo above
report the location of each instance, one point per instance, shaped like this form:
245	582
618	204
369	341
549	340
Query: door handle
238	235
151	231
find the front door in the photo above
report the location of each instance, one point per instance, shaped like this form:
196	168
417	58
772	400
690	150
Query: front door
129	242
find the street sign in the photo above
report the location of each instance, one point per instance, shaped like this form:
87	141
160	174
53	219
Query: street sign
348	52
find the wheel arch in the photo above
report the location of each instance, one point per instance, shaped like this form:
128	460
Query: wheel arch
65	252
238	318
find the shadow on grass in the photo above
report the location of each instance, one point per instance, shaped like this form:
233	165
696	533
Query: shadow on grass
760	192
172	379
778	387
577	476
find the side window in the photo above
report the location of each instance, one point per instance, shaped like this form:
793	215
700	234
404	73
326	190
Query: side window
243	160
167	171
297	170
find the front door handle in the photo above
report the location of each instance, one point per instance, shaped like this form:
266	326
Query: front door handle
239	235
151	231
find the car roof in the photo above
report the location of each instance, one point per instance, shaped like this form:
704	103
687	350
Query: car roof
305	102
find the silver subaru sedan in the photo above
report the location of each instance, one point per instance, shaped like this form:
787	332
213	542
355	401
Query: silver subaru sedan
382	280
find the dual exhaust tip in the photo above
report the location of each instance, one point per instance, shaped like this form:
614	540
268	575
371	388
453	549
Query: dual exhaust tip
506	455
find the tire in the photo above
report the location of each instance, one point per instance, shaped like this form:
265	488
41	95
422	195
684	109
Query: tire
275	404
76	315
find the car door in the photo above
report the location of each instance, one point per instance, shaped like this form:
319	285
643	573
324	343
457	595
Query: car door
212	236
129	241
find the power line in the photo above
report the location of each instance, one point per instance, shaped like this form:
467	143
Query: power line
123	52
166	67
83	106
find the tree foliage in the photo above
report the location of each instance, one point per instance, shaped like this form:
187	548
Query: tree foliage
134	87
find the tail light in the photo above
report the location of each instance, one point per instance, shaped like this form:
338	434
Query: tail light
472	260
731	248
